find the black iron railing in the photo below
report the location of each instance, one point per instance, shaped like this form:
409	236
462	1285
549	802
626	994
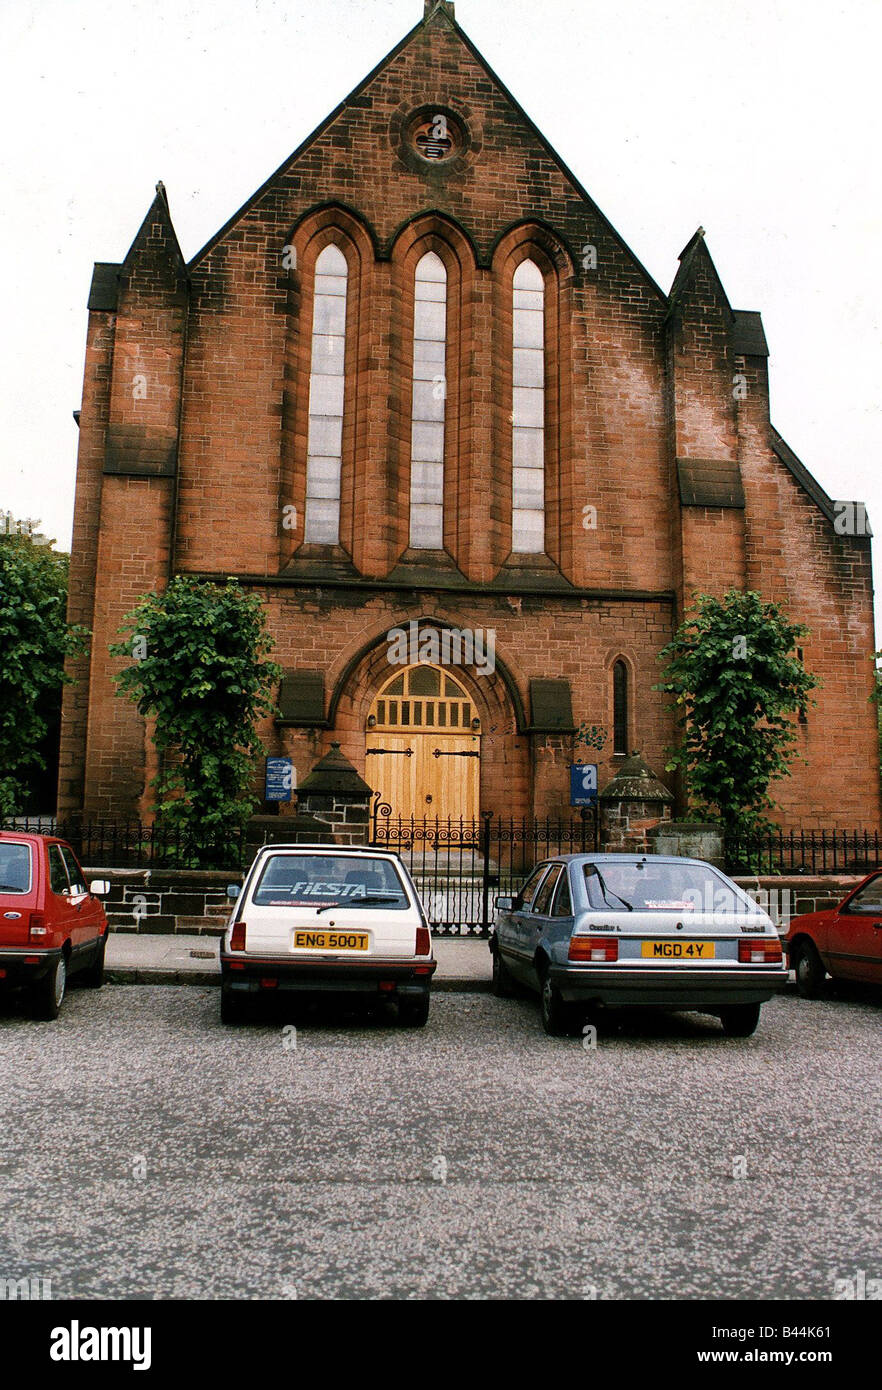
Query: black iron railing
805	852
459	866
114	843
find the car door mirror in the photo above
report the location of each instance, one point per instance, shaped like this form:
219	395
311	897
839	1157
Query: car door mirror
99	887
504	904
233	891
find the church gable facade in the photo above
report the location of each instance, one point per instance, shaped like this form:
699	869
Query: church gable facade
419	391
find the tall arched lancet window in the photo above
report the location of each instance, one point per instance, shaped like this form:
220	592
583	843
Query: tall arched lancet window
620	708
429	398
528	411
325	446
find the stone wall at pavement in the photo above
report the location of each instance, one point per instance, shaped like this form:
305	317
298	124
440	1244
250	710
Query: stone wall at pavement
194	902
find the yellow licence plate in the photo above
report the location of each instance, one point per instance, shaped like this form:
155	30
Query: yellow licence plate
330	940
679	950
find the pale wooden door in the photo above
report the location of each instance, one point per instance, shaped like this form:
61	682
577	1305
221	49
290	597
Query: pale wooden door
448	772
423	746
391	769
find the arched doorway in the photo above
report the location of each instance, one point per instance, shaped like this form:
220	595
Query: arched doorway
423	745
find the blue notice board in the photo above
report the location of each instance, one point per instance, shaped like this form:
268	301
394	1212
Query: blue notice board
583	784
279	779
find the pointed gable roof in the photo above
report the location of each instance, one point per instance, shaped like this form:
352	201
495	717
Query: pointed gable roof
156	243
437	13
694	258
156	236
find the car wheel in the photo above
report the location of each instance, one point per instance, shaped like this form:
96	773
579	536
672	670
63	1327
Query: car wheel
232	1008
93	976
49	992
414	1013
503	985
810	972
740	1020
558	1018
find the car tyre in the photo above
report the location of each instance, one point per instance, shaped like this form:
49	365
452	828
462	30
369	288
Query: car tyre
232	1009
503	984
810	972
740	1020
50	991
414	1013
559	1020
93	976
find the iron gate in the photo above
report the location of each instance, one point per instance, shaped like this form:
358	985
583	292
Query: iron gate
459	866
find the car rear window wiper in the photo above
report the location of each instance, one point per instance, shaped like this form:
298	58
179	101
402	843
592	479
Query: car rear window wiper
359	902
607	891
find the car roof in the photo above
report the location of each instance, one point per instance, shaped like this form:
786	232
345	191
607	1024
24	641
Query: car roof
588	857
329	849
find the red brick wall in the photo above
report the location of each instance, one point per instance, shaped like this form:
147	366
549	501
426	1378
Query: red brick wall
84	553
630	389
521	774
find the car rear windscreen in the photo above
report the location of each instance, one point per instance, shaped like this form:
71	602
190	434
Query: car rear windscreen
346	880
15	868
644	886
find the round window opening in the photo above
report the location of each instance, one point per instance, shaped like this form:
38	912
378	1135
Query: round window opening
436	138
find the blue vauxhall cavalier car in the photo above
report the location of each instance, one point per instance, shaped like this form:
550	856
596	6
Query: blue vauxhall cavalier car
594	931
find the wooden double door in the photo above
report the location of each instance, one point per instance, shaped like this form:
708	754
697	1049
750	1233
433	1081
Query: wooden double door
423	746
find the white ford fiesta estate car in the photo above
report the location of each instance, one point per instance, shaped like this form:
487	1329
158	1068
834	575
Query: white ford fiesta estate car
318	919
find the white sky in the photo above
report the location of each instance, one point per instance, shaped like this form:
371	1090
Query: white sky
760	121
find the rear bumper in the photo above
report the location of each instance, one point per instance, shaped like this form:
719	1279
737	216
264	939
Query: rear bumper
14	970
247	974
675	988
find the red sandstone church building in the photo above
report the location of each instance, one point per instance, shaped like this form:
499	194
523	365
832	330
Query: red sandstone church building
418	382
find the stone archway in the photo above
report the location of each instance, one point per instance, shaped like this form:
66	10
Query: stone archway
504	764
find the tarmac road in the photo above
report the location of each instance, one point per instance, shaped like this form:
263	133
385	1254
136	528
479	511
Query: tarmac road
148	1152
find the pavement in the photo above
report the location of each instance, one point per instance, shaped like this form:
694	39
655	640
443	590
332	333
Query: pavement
148	1151
135	958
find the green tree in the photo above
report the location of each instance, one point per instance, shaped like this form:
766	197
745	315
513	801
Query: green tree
200	671
737	682
35	639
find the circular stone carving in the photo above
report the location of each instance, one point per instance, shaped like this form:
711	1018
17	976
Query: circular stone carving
434	138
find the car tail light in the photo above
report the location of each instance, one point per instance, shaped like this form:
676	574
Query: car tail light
37	928
423	942
760	951
269	983
594	948
237	939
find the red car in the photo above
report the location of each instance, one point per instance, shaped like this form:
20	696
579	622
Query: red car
51	924
843	941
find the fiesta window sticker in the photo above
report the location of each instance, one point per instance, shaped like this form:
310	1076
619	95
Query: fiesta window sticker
328	890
